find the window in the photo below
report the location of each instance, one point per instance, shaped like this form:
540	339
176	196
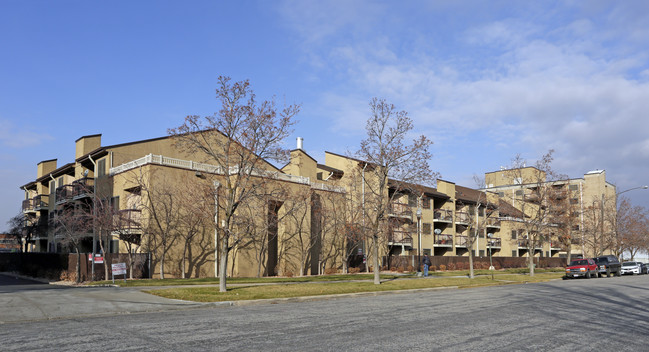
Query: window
575	227
425	203
501	194
318	176
412	200
101	168
574	187
427	251
481	252
114	203
426	228
514	253
52	187
519	192
513	234
574	201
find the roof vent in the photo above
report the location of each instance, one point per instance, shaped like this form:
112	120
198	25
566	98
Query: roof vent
300	143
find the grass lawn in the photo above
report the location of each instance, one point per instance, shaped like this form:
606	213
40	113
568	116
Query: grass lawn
306	279
212	294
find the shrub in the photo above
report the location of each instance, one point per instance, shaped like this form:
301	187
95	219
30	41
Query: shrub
68	275
431	268
354	270
400	269
410	268
393	268
461	266
451	266
329	271
288	273
442	267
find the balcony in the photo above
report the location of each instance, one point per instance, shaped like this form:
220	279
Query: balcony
41	201
460	241
127	221
442	240
524	243
83	187
462	218
400	237
64	194
443	215
400	210
28	206
494	242
493	223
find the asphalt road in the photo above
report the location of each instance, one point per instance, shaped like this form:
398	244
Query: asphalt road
596	314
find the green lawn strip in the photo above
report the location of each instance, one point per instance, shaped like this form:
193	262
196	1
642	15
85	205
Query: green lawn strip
245	280
317	278
211	294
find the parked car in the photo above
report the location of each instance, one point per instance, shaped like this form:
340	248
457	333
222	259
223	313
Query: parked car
634	268
581	268
645	268
609	264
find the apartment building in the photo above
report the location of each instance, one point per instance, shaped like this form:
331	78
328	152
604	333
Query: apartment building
133	179
162	199
577	208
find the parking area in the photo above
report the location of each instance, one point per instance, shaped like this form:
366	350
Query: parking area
28	300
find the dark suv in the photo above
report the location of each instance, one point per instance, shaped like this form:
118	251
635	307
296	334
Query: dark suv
608	264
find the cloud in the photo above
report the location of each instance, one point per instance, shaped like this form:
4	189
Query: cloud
19	138
572	78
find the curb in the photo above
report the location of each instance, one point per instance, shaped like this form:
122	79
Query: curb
257	302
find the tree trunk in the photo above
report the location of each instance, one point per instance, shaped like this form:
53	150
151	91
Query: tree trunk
184	260
377	267
471	264
162	265
223	269
78	280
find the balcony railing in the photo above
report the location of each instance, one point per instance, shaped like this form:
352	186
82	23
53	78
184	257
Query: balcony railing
494	242
524	243
400	237
443	240
462	217
28	205
41	201
401	210
83	187
460	241
64	193
127	220
493	222
443	215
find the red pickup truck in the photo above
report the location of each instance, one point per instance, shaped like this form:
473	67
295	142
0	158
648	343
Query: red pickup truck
581	267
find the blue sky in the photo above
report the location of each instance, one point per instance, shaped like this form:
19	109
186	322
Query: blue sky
485	80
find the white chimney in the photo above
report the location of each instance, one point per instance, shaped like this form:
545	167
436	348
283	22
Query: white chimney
300	142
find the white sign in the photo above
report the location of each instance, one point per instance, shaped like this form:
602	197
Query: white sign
119	269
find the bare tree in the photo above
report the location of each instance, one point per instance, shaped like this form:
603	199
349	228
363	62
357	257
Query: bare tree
389	155
239	138
71	227
632	228
480	212
19	226
533	198
599	232
565	216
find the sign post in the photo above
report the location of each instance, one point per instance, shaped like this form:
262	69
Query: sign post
119	269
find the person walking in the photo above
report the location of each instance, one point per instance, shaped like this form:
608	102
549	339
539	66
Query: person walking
426	263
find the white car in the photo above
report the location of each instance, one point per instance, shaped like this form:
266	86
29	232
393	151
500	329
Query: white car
634	268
